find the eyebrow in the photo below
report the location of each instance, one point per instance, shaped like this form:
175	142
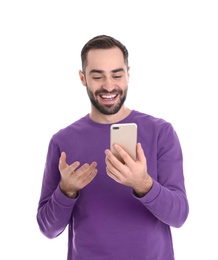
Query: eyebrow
102	71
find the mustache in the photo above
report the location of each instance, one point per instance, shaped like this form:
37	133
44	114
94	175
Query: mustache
100	92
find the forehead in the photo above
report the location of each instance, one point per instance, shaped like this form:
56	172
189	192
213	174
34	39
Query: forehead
105	59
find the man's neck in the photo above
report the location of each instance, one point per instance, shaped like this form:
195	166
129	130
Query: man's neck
98	117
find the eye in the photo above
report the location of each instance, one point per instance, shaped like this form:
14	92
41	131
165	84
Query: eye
117	77
97	78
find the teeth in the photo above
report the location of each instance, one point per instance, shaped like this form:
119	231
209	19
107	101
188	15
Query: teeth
108	97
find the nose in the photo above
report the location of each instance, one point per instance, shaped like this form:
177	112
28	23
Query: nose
109	84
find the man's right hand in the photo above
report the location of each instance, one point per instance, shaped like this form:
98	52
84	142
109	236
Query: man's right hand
73	177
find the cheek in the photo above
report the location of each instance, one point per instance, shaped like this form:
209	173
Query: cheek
93	85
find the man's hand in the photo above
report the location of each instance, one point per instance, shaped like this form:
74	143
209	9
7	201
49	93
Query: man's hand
130	173
73	177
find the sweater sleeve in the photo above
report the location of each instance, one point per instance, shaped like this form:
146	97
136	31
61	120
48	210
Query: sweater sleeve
54	208
167	199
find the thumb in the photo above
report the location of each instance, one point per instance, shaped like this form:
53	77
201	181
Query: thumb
62	161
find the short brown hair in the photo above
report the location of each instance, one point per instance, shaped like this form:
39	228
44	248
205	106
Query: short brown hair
102	42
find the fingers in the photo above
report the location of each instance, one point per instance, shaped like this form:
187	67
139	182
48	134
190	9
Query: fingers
124	155
140	153
64	166
87	169
114	166
91	172
73	177
85	174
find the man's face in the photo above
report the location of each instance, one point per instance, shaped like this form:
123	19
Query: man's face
106	79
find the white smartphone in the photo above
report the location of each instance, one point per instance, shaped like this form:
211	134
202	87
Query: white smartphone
126	136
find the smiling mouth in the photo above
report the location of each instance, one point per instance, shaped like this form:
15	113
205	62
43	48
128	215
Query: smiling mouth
109	97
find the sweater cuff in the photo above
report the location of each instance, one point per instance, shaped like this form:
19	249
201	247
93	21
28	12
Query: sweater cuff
63	199
151	195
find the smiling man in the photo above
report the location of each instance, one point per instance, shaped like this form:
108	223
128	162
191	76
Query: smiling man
113	210
106	78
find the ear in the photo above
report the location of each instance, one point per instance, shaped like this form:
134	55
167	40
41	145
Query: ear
128	74
82	78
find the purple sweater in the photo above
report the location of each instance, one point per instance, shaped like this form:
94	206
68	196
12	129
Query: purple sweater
106	221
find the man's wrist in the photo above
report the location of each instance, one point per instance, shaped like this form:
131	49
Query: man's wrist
142	191
69	194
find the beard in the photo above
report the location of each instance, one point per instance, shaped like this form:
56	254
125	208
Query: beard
107	109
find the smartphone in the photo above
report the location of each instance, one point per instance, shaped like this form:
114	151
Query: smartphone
126	136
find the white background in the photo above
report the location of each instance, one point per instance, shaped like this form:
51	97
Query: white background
173	48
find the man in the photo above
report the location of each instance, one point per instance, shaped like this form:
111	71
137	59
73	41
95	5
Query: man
113	210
